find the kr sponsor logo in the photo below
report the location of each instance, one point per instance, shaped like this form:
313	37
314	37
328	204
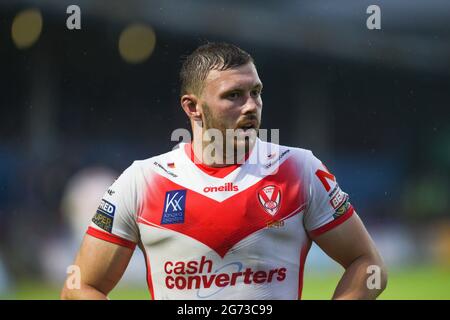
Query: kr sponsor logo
229	186
208	280
174	207
270	199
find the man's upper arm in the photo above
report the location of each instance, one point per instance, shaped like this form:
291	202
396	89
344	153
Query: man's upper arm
116	217
112	235
102	263
328	205
347	242
331	220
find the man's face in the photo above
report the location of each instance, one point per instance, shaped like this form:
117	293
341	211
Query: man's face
231	99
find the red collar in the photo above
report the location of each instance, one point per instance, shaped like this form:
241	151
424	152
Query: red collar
218	172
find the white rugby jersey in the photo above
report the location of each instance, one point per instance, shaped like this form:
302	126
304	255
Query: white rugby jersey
238	232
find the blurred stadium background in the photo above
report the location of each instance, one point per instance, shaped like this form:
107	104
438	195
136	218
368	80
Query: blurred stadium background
78	106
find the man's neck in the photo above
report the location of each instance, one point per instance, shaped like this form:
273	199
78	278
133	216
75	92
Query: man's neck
214	155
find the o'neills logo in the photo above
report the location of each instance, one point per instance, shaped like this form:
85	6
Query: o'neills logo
229	186
199	274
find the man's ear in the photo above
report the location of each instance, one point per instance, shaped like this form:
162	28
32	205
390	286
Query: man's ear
190	105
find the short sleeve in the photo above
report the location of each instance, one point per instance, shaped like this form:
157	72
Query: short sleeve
328	205
115	218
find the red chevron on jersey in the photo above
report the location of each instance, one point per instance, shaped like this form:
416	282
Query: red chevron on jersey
238	232
233	219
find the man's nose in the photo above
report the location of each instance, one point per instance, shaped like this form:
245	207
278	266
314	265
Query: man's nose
251	105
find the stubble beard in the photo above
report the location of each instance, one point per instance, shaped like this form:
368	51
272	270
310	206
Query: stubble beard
239	146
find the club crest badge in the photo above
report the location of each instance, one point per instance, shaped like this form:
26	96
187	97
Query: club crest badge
270	199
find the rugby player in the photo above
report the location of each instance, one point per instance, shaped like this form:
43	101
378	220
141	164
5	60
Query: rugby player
225	224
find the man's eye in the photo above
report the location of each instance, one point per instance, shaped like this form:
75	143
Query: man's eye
256	93
233	95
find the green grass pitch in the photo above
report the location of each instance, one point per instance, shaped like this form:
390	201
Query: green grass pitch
403	284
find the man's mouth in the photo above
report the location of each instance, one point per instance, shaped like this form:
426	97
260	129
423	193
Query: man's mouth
248	125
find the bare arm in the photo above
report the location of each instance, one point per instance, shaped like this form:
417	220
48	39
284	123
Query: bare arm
350	245
101	264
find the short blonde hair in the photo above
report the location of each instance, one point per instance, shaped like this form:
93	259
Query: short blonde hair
210	56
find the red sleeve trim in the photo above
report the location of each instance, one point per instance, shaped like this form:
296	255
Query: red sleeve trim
110	238
332	224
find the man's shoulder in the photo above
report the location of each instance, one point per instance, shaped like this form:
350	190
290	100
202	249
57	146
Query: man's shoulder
299	154
162	163
167	156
